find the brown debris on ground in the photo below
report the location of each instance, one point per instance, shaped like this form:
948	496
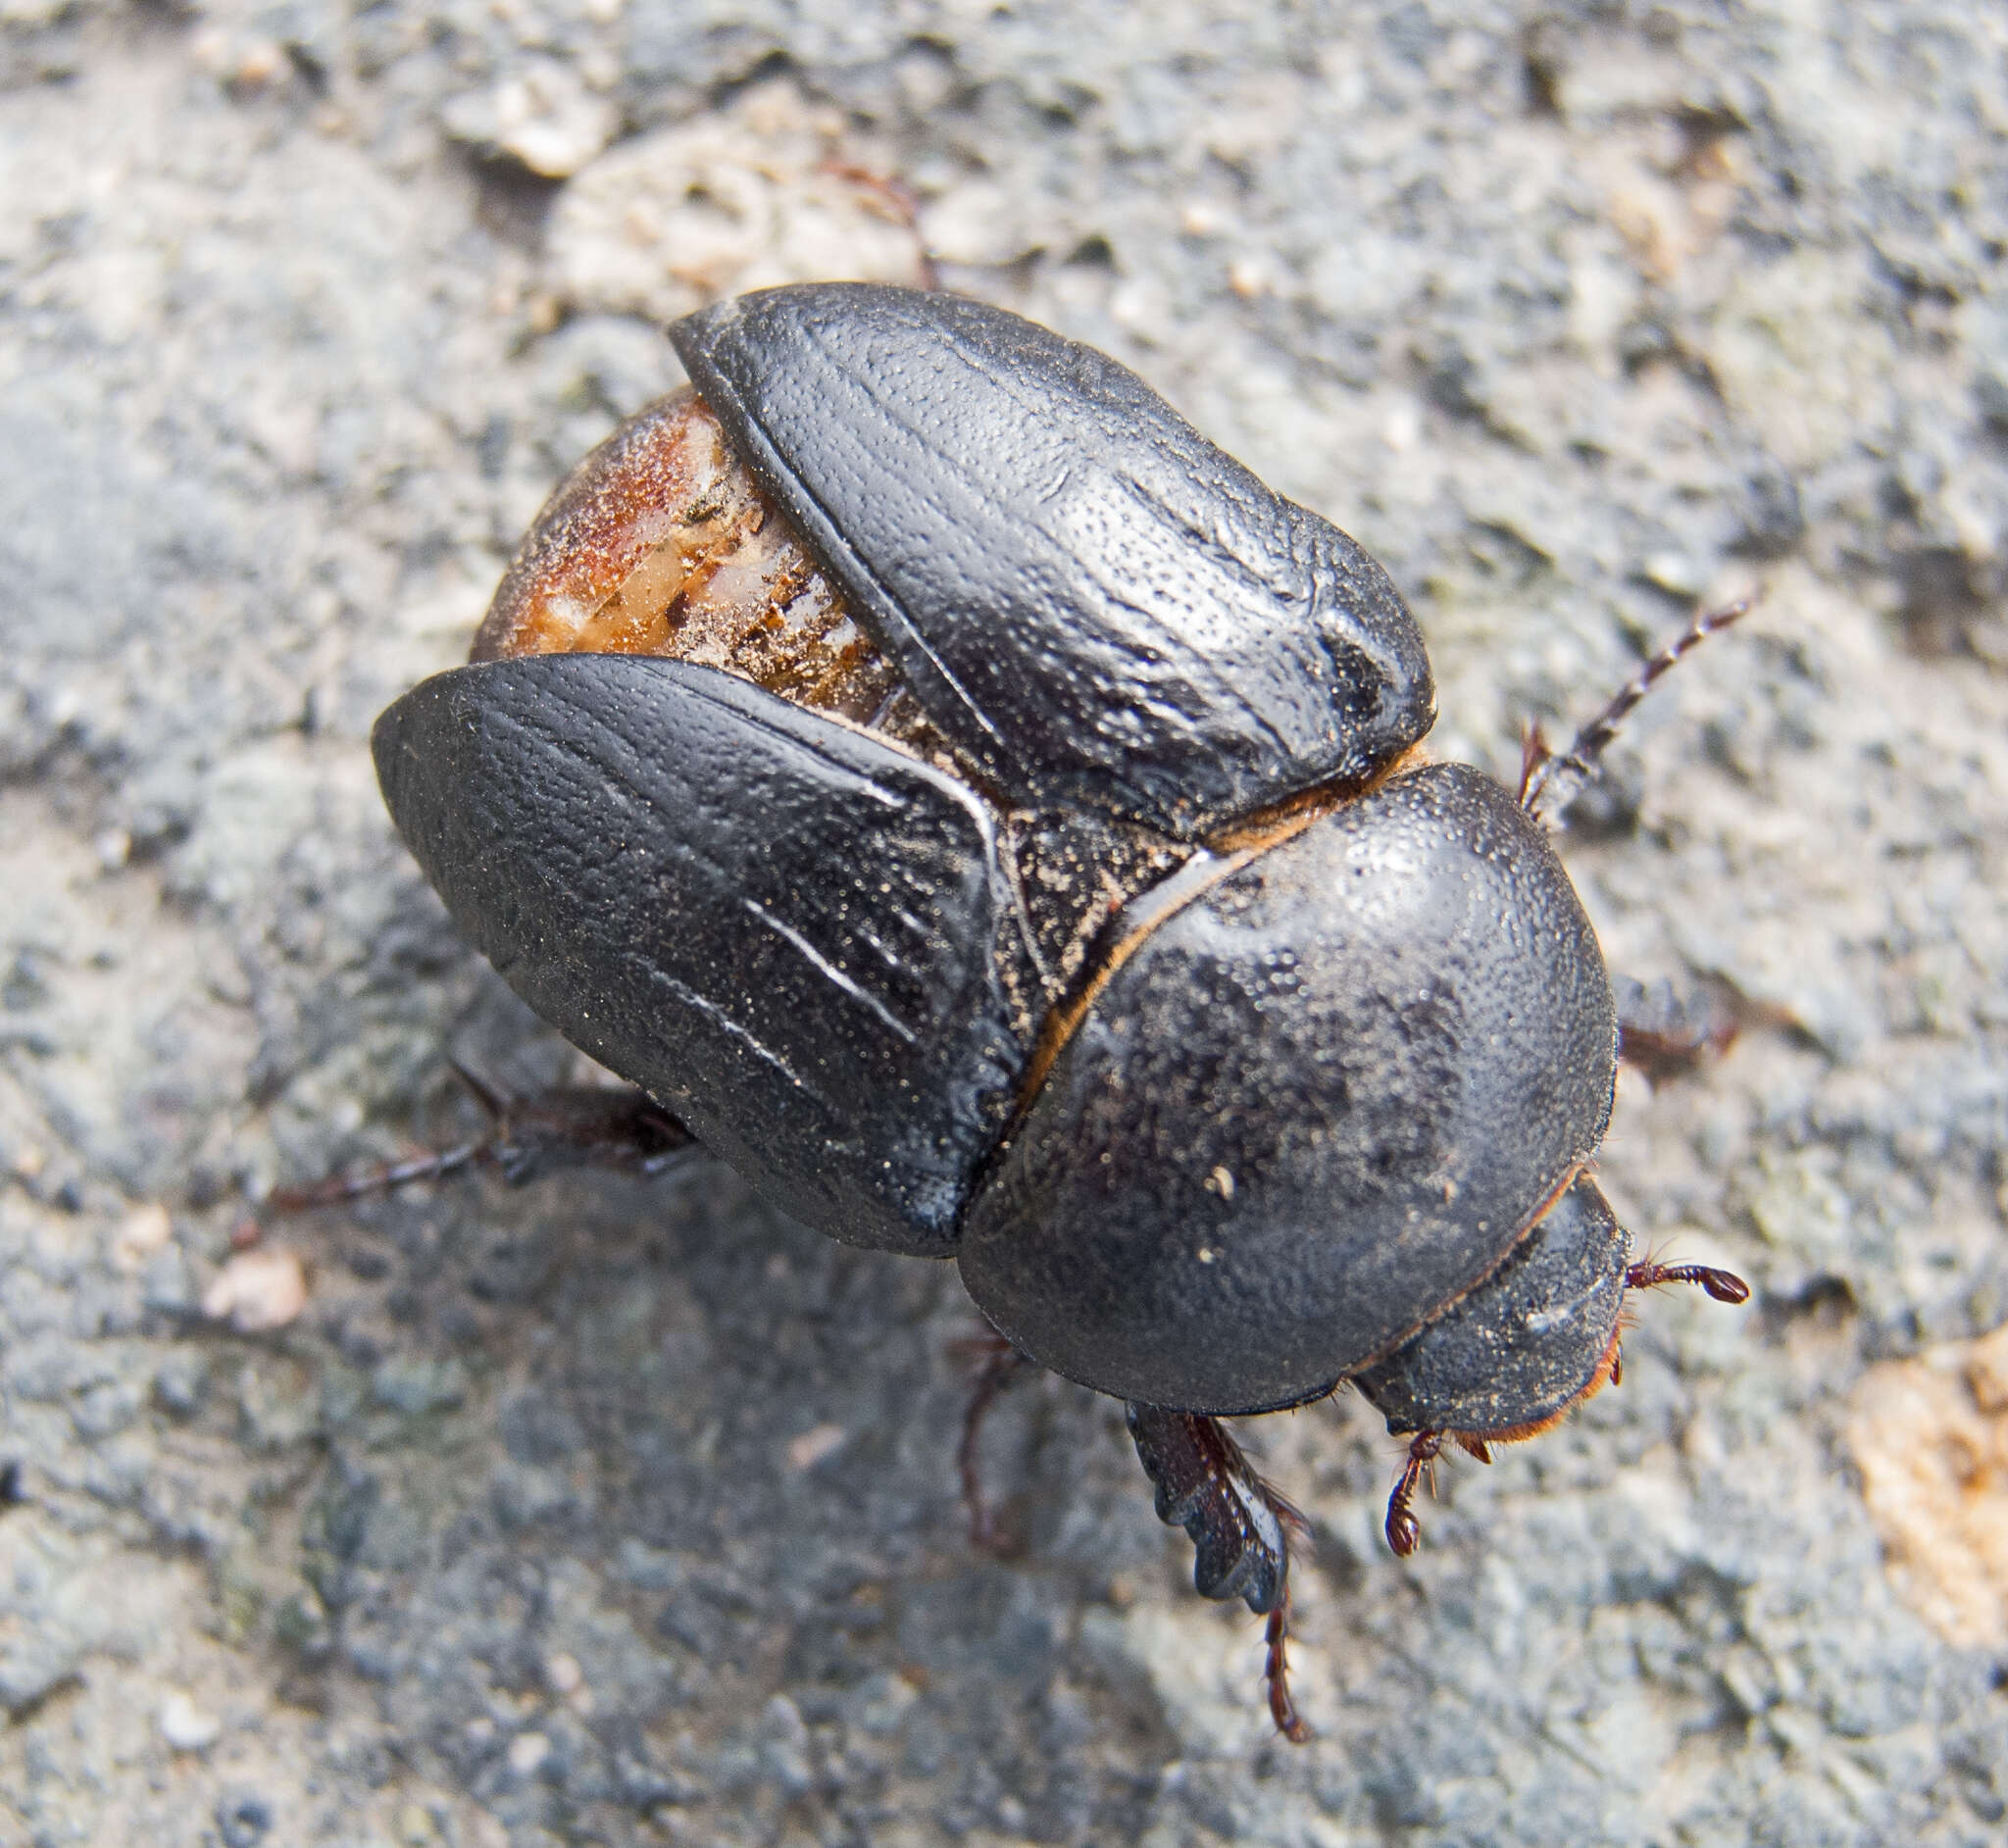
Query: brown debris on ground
1931	1438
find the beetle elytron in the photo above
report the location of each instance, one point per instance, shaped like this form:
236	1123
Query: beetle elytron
987	816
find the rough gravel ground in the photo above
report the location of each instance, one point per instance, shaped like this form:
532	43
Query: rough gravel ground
608	1512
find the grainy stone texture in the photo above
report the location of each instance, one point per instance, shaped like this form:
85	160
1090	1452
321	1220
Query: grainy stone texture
610	1512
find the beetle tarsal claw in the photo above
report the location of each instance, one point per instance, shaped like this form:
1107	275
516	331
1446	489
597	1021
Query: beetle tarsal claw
1534	755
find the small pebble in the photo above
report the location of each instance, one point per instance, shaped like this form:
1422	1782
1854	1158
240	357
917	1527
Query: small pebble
526	1751
180	1384
1673	572
257	1290
186	1727
545	117
563	1674
241	1817
1248	279
142	1232
816	1443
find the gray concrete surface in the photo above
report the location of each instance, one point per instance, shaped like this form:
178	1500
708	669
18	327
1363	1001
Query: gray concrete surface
608	1512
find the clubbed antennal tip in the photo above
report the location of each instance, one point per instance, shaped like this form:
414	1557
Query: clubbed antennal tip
1548	781
1404	1532
1725	1286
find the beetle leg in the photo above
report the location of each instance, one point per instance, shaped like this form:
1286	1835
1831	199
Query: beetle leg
1662	1033
587	1125
1548	780
897	201
999	1365
1404	1531
386	1178
1239	1525
569	1125
1275	1672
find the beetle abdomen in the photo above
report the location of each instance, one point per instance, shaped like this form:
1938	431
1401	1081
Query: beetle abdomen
1315	1106
661	542
1096	606
794	936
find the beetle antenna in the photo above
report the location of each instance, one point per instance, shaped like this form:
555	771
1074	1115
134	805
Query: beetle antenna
1724	1285
1404	1531
1548	781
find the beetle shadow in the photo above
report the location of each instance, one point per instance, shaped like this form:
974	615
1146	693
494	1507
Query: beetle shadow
737	1434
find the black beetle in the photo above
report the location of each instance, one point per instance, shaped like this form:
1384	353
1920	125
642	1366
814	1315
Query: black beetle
986	814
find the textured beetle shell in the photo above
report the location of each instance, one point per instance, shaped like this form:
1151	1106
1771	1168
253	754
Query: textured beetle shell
660	542
1316	1106
1526	1342
790	934
1097	607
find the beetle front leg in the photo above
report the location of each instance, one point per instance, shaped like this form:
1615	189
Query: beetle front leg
1239	1525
